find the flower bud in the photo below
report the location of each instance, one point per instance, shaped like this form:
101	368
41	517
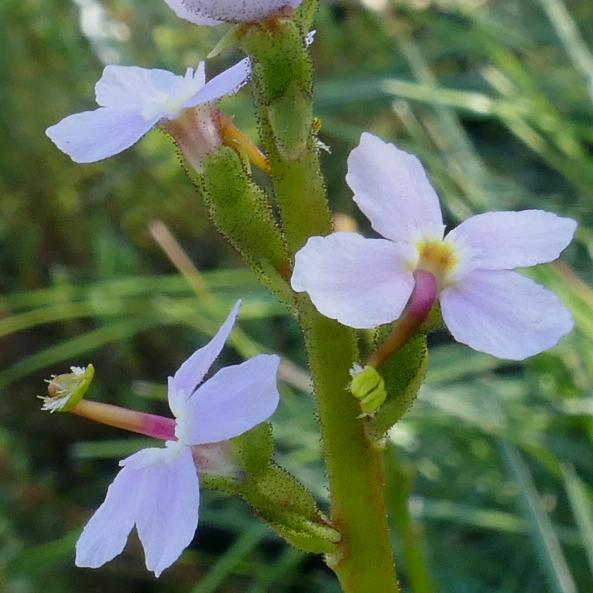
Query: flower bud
368	386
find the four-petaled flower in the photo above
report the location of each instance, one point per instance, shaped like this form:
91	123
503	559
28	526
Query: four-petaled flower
134	100
214	12
157	489
364	283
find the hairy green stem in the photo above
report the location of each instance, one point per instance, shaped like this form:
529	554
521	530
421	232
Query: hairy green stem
300	193
364	562
282	76
293	154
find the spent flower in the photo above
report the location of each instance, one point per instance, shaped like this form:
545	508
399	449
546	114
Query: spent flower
157	489
364	282
134	100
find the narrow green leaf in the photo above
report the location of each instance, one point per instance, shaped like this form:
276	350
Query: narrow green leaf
581	508
231	559
551	557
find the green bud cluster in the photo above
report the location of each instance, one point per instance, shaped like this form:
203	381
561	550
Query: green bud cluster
283	76
276	495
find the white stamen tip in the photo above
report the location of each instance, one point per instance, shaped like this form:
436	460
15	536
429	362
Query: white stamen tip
53	404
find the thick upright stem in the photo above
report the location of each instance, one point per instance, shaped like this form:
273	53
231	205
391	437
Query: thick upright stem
364	563
283	85
283	94
304	213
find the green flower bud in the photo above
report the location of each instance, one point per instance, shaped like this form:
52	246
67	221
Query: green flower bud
283	81
368	386
241	212
66	390
277	496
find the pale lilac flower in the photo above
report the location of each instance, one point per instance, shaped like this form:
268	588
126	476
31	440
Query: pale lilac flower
214	12
364	283
157	489
134	100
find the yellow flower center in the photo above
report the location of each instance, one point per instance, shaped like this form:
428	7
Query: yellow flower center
438	258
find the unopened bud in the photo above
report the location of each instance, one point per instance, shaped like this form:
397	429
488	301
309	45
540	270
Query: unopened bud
66	390
368	386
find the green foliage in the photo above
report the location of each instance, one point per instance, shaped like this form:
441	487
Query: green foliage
241	212
284	79
494	97
277	496
404	374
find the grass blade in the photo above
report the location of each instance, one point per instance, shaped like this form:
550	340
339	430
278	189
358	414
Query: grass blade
581	508
552	560
229	561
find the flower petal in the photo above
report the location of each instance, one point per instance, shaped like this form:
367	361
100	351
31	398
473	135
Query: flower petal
504	314
391	188
507	240
226	83
95	135
200	74
192	371
232	402
208	12
360	282
106	533
167	503
130	88
185	10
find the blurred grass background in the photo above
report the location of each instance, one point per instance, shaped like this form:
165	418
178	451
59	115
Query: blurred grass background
490	475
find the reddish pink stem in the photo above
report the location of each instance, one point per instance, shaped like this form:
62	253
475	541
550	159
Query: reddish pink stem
421	302
157	427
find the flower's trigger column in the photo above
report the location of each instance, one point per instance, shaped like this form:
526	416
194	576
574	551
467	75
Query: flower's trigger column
364	283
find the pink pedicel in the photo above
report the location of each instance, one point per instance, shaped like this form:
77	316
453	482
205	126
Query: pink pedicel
151	425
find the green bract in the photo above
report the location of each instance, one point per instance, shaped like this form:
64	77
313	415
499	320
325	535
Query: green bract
368	386
277	496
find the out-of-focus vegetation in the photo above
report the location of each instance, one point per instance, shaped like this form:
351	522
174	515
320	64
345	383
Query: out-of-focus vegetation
490	474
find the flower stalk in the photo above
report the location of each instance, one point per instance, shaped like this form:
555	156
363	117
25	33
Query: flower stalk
151	425
363	561
241	212
283	95
421	302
